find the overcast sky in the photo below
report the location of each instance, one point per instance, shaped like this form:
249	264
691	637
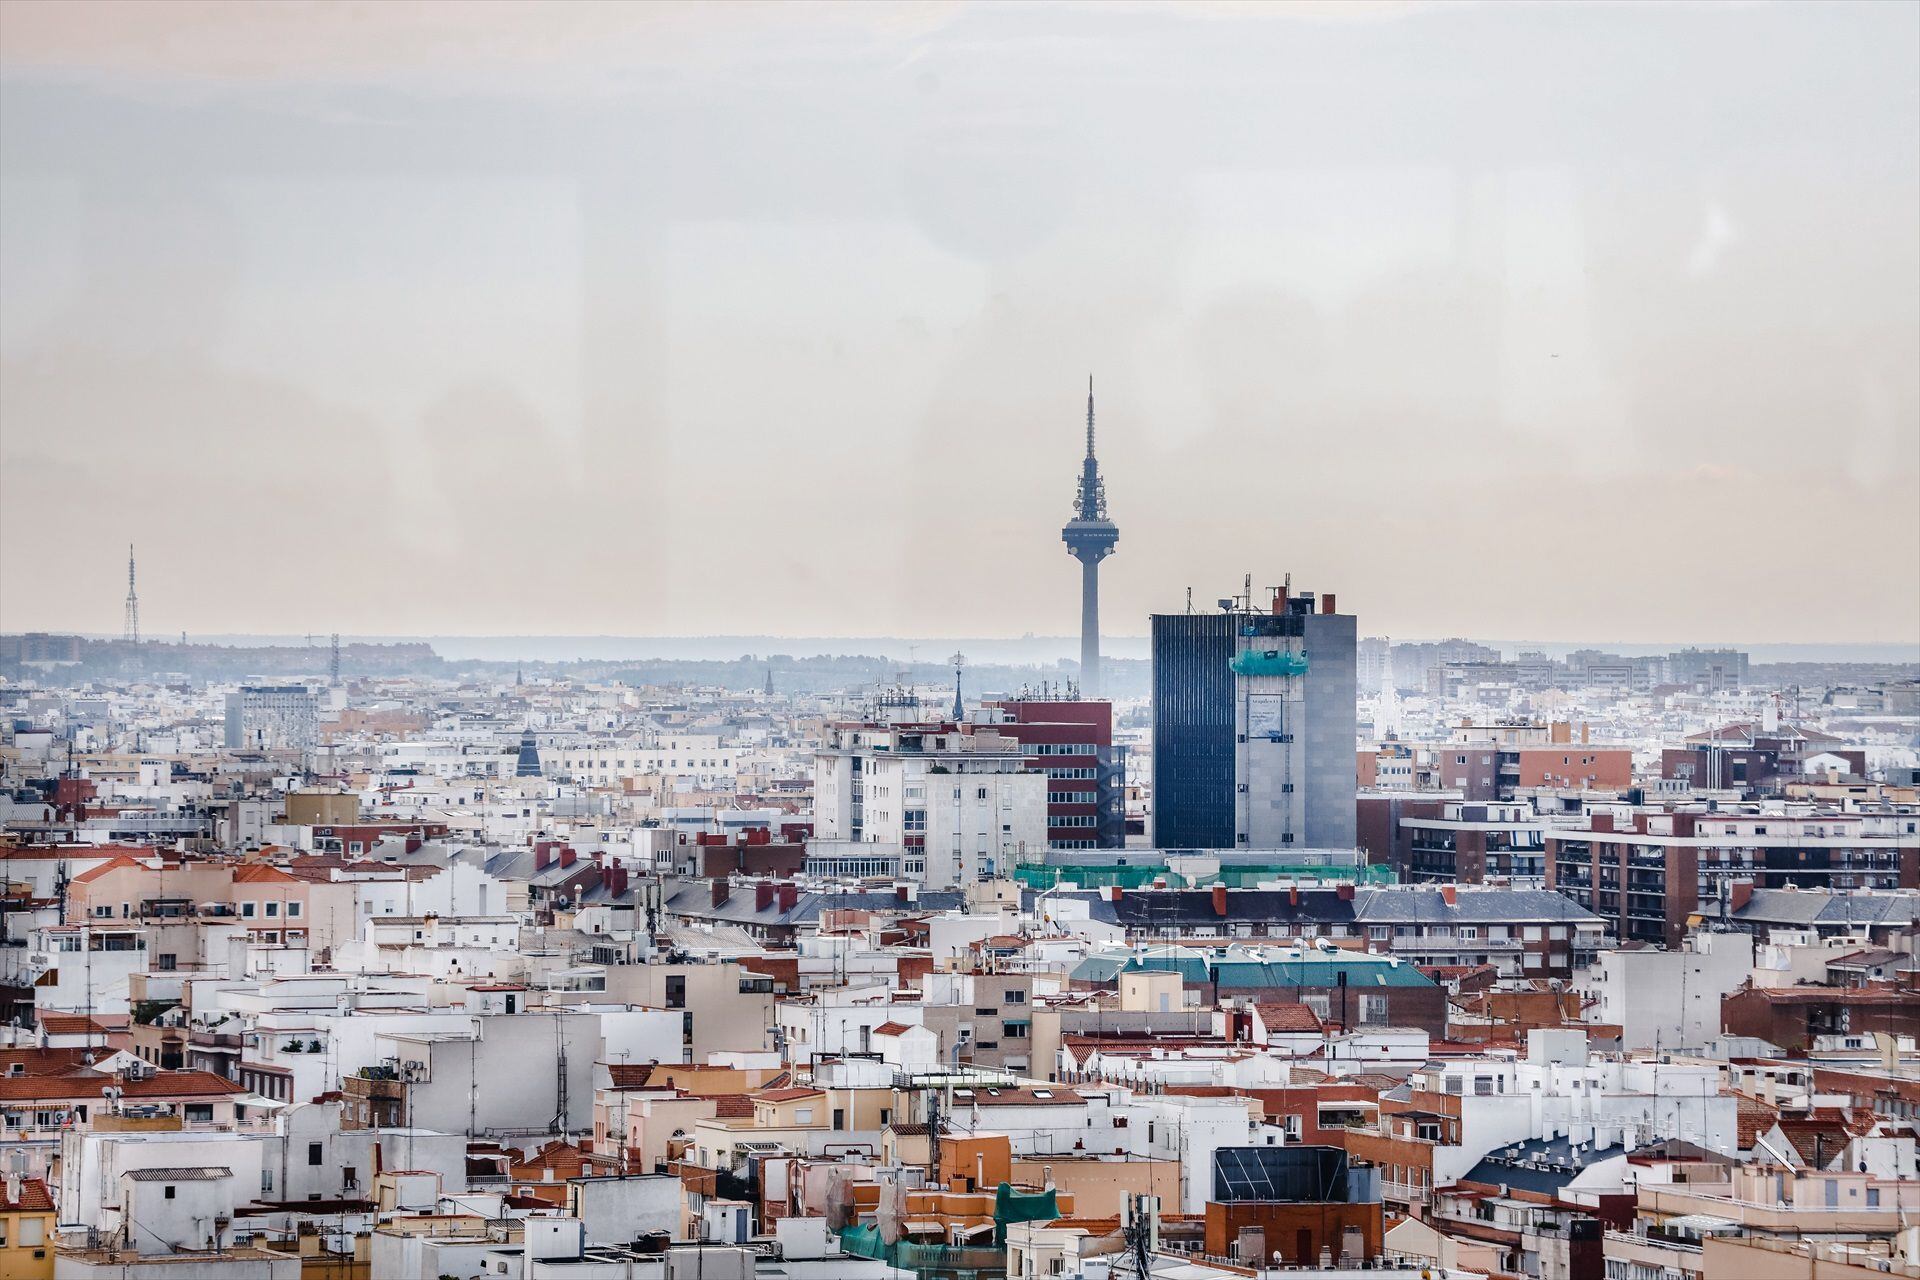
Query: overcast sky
1558	322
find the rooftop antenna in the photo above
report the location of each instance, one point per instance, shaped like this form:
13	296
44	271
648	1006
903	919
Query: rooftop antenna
132	631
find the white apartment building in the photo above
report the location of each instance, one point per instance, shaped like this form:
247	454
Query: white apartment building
959	807
704	759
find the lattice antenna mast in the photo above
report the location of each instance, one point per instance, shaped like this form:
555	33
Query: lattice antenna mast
132	628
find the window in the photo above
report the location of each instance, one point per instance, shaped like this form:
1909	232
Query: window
170	1191
803	1115
201	1111
33	1231
293	908
247	910
315	1152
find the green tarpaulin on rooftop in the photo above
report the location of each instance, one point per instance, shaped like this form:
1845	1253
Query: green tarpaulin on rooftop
1021	1206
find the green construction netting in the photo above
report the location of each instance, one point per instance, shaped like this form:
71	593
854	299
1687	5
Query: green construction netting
1021	1206
865	1242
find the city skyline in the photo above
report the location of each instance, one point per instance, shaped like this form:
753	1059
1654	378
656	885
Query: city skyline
1464	356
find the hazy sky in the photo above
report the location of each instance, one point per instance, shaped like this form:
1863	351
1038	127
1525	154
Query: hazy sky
1559	321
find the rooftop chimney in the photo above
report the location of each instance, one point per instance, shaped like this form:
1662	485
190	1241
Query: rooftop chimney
542	857
763	895
1451	894
1326	603
1220	900
722	888
568	856
789	895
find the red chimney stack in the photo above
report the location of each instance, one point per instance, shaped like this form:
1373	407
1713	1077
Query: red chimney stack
1220	900
763	895
789	896
568	856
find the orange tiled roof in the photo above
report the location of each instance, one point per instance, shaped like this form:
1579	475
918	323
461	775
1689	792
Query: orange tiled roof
114	864
34	1198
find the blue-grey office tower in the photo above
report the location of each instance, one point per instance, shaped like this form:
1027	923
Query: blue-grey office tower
1254	726
1090	537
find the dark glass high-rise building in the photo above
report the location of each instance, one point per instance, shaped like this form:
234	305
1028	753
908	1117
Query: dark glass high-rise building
1254	727
1193	730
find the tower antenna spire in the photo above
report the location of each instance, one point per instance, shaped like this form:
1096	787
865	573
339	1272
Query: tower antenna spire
1089	415
132	629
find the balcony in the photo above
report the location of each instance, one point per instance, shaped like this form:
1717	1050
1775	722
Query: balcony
1411	1194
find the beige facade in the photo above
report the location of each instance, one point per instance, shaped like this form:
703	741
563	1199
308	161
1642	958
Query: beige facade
322	809
1100	1185
722	1013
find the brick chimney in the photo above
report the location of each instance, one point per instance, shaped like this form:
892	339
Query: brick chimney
763	895
1220	900
568	856
900	893
1326	602
1345	892
722	889
789	895
542	856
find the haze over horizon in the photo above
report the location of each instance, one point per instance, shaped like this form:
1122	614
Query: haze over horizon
1494	320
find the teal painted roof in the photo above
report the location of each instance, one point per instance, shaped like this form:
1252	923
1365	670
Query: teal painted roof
1191	970
1316	972
1361	974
